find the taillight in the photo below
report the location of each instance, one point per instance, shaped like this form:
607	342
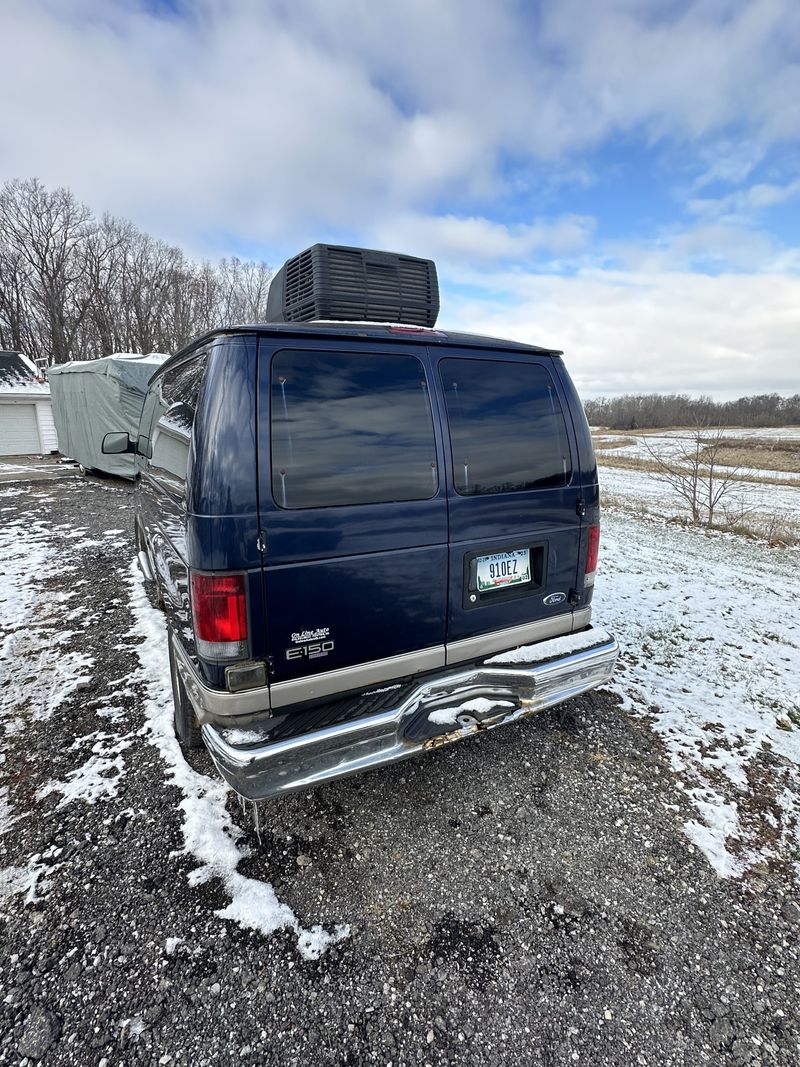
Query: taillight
219	615
592	548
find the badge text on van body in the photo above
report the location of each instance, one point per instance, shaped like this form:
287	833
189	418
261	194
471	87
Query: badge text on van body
311	644
311	635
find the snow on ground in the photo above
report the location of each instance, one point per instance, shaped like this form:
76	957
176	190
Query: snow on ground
33	880
7	818
97	778
210	834
646	489
710	629
667	444
31	636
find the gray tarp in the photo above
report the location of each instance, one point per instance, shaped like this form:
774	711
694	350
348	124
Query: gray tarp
96	397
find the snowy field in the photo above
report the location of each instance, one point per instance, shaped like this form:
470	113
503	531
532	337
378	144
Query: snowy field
667	444
647	493
710	627
584	876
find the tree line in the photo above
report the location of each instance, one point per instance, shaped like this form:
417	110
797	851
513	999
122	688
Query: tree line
75	286
656	410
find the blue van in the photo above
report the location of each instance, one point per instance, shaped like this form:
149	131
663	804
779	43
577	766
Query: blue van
369	537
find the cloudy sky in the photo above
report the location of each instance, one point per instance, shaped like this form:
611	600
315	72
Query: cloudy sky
619	179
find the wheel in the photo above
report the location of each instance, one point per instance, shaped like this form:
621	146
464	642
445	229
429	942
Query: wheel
187	728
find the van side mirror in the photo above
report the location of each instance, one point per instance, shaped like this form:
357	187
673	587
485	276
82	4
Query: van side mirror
116	443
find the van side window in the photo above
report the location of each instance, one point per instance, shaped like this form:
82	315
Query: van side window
507	428
350	429
170	427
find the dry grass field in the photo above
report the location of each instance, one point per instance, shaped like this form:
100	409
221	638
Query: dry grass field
761	501
781	454
747	459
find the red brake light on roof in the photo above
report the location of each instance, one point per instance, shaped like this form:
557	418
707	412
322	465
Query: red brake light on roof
592	549
219	615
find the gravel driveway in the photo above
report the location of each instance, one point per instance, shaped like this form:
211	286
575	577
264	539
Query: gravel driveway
526	897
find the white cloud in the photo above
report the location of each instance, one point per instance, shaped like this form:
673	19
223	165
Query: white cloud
451	240
269	125
622	331
744	204
268	121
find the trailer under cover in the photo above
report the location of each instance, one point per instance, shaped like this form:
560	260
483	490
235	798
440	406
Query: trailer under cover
95	397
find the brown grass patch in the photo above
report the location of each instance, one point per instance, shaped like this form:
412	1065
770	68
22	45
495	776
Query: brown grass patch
740	453
612	442
637	463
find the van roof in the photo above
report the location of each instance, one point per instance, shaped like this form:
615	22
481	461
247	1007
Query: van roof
378	330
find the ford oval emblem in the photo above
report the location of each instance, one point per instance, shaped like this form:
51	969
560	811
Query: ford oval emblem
555	598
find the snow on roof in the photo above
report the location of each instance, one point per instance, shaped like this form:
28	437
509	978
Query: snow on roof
19	377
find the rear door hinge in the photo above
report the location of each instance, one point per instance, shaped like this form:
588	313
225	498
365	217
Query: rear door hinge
580	506
574	598
261	543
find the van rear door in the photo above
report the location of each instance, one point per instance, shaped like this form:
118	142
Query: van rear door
514	500
353	515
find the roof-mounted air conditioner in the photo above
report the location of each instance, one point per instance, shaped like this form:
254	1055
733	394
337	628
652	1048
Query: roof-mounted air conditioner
333	282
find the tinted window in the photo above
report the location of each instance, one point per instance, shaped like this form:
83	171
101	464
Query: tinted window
350	429
173	397
506	426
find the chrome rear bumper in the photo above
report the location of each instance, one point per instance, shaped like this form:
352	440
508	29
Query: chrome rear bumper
261	770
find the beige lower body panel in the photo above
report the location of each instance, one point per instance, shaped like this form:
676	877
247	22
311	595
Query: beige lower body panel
363	674
526	634
219	706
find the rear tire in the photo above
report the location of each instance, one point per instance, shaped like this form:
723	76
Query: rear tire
187	728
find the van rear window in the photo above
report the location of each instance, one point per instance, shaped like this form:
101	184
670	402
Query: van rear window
507	428
350	429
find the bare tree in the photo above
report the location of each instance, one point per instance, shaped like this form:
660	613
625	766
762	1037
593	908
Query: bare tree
73	287
695	473
243	291
46	233
655	410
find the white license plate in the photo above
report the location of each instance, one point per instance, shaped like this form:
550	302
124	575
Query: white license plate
503	569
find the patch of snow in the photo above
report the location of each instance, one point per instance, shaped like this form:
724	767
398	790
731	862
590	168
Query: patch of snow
33	879
209	833
171	944
235	736
96	779
36	675
135	1026
555	646
7	818
720	824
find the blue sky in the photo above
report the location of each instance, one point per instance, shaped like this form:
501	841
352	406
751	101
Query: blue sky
620	179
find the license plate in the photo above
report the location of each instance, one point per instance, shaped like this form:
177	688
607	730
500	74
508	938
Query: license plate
503	569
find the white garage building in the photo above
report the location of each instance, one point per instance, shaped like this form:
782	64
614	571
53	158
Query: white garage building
26	418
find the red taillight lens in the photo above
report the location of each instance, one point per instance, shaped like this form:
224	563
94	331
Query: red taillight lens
592	549
219	615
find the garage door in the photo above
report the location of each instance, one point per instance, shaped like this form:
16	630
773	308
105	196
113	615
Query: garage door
19	432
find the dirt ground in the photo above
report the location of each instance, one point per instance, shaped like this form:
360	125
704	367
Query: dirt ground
526	897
